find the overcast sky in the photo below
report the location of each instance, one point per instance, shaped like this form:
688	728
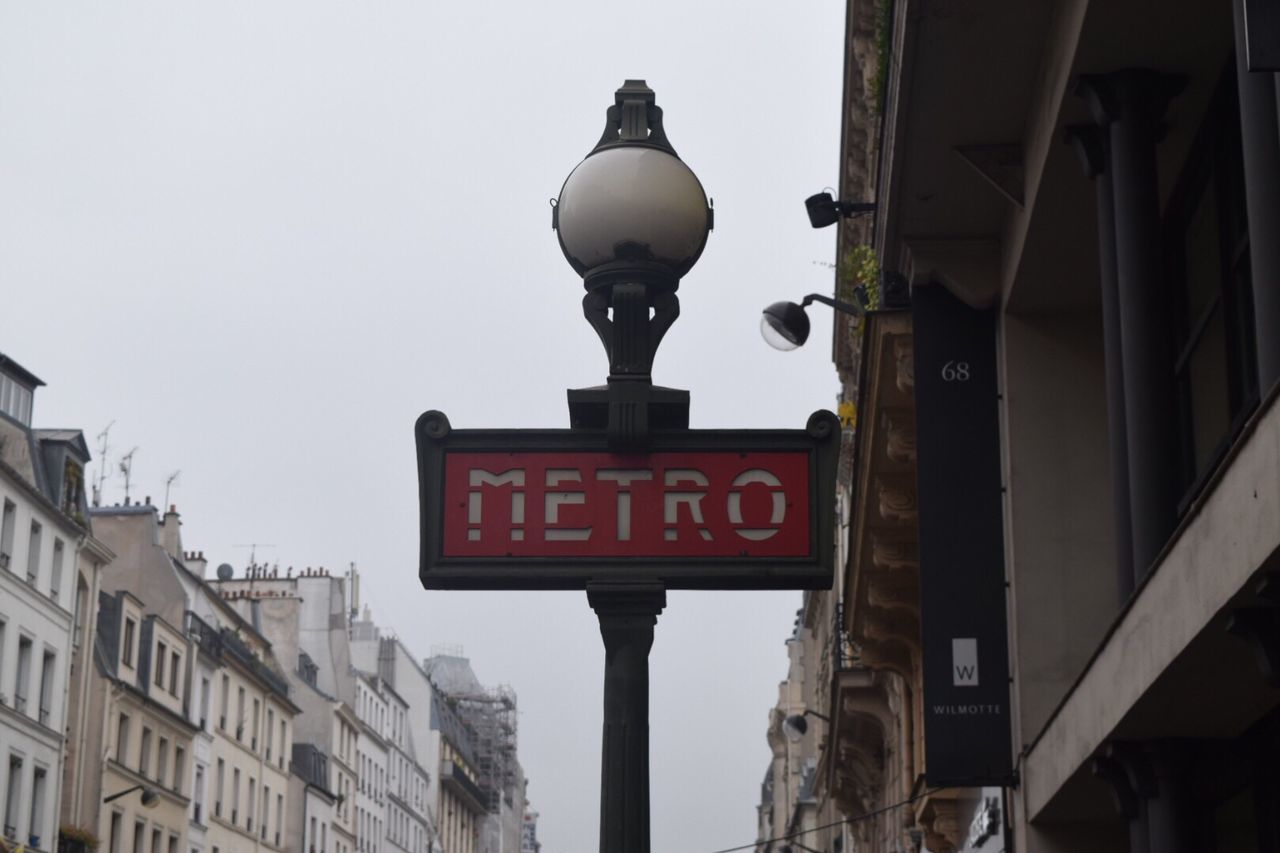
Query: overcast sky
263	237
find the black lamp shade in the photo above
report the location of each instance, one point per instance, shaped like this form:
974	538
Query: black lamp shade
822	210
784	325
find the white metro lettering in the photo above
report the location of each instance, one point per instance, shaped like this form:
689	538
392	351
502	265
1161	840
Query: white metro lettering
757	475
477	478
671	501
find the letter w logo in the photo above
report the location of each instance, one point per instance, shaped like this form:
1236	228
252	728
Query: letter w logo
964	662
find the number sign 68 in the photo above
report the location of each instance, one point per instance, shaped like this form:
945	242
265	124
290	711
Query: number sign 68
955	371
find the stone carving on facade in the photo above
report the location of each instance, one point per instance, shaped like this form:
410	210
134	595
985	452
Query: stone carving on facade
905	363
894	553
940	820
900	435
893	591
897	498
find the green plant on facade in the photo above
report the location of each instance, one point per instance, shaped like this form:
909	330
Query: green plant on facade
74	838
860	267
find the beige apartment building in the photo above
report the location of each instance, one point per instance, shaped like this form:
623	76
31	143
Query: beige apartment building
138	694
234	701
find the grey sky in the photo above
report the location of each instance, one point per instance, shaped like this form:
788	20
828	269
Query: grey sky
264	237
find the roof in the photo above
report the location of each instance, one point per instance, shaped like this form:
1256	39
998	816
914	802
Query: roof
19	372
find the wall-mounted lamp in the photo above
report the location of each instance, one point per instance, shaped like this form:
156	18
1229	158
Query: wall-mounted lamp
795	726
785	325
825	210
150	799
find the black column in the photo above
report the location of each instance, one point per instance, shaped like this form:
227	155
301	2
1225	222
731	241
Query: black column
1260	134
627	613
1130	104
1090	143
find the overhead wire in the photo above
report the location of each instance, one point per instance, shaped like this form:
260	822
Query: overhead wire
753	845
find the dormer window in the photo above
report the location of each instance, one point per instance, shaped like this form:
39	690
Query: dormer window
72	487
15	400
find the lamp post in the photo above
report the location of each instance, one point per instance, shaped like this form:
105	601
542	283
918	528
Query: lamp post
632	219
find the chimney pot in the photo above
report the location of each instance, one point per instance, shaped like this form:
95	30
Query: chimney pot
173	508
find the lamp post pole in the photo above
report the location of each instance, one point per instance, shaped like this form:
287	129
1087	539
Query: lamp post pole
632	218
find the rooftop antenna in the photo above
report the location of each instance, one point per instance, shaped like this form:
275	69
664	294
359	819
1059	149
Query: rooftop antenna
170	481
102	464
253	550
355	594
126	468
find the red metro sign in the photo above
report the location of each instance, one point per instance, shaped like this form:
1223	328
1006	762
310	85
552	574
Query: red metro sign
556	508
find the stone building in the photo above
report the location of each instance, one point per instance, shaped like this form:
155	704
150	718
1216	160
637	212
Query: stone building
235	695
1093	189
50	565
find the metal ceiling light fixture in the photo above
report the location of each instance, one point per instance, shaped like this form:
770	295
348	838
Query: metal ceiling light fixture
825	210
785	325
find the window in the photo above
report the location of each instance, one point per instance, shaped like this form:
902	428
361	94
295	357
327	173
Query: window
7	526
47	679
2	624
217	791
279	815
55	580
113	839
249	805
13	802
157	838
144	752
72	488
139	836
22	682
271	723
197	795
226	693
240	714
235	794
284	744
179	760
161	648
173	843
1208	260
122	738
126	648
33	553
204	701
253	743
175	661
162	759
266	811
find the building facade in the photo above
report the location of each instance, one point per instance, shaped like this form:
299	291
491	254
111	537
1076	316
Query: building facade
1102	209
49	573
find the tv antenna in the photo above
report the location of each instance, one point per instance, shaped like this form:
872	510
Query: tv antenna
253	550
102	464
126	468
171	480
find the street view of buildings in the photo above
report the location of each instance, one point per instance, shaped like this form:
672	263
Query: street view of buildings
152	703
1083	450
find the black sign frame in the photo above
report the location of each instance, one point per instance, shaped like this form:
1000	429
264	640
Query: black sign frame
436	439
960	499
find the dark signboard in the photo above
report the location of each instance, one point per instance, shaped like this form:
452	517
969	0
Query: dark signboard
553	509
962	585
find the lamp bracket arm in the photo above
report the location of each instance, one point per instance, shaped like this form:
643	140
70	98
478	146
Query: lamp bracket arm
846	307
595	307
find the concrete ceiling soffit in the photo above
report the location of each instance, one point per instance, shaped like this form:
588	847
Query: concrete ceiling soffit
1001	165
968	267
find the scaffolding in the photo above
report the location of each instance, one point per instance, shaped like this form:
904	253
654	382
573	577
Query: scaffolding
491	716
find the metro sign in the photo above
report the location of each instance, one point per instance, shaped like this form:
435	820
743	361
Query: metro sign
522	509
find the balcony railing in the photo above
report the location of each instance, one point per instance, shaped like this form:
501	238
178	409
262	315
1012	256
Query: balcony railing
19	702
4	560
